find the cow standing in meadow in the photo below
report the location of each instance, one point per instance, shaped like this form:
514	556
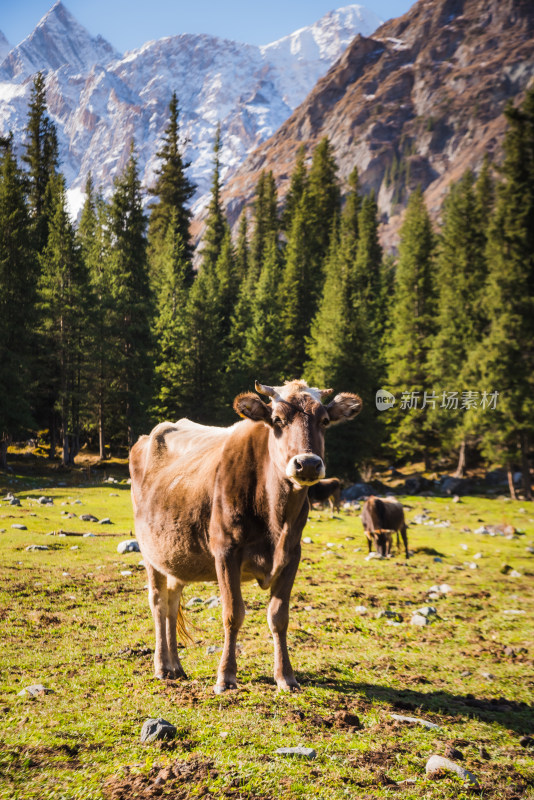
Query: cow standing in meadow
230	504
328	489
381	516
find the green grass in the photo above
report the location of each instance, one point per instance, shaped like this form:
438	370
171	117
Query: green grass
85	635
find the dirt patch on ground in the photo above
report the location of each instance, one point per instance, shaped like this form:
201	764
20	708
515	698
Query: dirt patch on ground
180	780
343	720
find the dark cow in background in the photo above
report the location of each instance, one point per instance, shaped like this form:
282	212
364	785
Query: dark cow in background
328	489
229	504
381	516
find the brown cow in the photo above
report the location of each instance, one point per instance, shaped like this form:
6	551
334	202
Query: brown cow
381	516
328	489
229	504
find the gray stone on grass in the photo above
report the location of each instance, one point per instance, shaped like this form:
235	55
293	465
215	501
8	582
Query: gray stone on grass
19	527
299	752
89	535
88	518
14	501
361	610
35	690
194	601
128	546
212	602
37	547
416	721
157	729
437	764
45	501
104	521
212	649
307	540
419	620
427	611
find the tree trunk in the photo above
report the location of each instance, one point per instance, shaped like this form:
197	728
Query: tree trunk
52	450
428	463
510	474
525	467
462	460
4	444
101	439
66	449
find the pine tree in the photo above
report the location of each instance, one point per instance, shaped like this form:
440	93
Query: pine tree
324	197
132	303
265	221
170	333
297	187
411	335
18	275
94	242
63	289
242	256
461	275
41	158
506	356
173	191
216	223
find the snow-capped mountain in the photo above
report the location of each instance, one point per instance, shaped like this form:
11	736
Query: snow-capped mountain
99	99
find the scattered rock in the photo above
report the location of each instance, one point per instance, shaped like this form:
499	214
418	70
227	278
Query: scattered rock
74	547
488	676
416	721
515	574
104	521
35	690
45	501
438	560
302	752
126	573
212	602
77	503
529	549
443	588
361	610
456	499
307	540
514	611
128	546
14	501
478	555
465	674
419	620
526	741
212	649
357	491
373	555
36	546
437	765
155	729
88	518
194	601
392	615
19	527
88	535
427	611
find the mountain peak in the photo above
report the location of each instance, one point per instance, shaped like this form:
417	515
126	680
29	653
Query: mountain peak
57	40
5	47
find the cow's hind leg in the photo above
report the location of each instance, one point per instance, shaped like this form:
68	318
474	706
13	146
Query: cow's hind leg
174	614
158	598
278	618
404	535
233	613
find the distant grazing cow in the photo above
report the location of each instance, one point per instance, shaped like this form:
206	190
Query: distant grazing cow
229	504
381	516
328	489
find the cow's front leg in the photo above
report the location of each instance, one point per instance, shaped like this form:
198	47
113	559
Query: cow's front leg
278	618
159	604
228	567
174	613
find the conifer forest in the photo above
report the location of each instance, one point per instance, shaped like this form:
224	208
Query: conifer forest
107	328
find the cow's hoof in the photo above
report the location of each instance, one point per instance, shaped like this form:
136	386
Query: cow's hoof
170	674
288	686
219	688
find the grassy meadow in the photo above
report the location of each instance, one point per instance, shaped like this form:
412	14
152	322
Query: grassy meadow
71	621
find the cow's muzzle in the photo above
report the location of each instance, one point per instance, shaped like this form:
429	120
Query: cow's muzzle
306	469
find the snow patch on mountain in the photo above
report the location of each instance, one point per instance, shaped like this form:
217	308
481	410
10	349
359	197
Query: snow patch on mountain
5	47
101	100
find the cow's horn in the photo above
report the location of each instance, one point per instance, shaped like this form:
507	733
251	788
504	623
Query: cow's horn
325	392
262	389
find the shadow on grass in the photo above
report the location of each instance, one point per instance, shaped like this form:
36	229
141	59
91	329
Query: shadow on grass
509	714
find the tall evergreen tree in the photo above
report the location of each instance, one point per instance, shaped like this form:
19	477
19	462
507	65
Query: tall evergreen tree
324	196
297	186
216	223
242	256
506	355
412	328
461	275
18	276
170	331
132	302
41	158
62	296
173	191
265	221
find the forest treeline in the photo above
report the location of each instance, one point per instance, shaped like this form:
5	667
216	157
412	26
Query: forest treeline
106	328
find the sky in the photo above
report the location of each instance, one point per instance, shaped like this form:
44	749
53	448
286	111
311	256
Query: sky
127	24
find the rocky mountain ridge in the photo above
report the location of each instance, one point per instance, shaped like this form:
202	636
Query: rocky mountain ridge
415	104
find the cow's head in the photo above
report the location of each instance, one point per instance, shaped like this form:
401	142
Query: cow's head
382	541
297	418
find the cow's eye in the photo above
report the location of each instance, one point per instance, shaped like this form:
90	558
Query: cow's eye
325	421
278	421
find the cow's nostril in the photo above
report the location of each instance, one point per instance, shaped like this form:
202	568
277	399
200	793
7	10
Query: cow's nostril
318	465
298	465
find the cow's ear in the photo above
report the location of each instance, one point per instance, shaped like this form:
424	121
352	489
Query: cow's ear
344	406
249	405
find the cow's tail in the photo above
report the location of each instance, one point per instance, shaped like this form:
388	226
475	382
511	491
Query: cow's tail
182	628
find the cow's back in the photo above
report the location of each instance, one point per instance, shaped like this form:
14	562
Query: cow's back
173	472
